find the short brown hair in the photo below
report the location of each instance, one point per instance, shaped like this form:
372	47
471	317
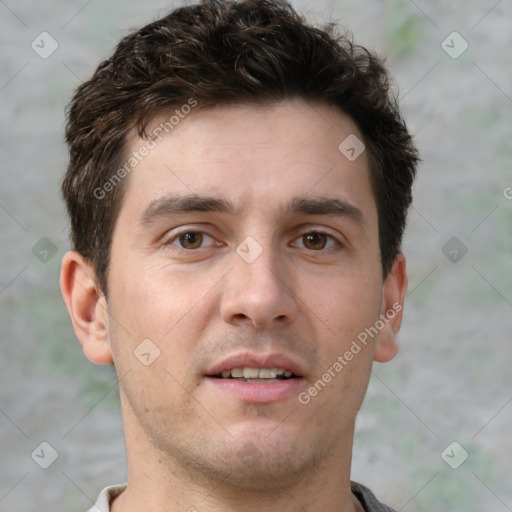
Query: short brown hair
221	52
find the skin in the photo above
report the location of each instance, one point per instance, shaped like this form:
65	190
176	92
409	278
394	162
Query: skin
189	444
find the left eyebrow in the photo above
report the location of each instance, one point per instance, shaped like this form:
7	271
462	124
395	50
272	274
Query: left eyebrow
327	206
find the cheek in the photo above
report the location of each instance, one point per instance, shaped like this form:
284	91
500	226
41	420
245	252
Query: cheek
354	314
152	299
347	305
165	304
346	355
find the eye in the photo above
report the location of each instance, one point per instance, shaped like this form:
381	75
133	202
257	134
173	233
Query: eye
316	241
192	240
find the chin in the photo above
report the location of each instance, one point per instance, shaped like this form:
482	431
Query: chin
256	465
267	471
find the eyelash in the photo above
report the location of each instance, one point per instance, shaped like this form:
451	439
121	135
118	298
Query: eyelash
329	237
176	237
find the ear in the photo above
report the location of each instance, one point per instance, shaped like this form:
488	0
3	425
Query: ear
87	307
393	297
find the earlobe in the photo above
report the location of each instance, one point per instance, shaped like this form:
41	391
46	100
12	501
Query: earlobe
395	288
87	307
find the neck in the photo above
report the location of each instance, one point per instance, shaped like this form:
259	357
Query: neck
160	482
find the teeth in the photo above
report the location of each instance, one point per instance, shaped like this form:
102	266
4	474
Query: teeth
237	372
251	373
259	380
266	373
256	373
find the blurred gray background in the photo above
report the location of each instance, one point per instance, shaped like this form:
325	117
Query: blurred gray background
450	383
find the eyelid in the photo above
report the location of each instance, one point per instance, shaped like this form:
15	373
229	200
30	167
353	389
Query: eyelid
176	239
173	235
339	240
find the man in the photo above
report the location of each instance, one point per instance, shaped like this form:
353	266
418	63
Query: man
238	188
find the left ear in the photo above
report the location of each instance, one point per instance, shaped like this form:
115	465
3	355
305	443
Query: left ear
393	295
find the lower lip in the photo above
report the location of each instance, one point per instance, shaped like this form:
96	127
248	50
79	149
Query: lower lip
258	392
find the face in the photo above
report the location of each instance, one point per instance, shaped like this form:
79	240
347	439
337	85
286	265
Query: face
247	246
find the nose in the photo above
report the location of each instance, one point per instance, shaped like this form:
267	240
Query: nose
259	292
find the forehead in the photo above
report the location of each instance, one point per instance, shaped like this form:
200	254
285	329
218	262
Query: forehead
256	156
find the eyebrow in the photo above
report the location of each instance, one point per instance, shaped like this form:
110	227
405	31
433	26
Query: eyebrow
327	206
174	205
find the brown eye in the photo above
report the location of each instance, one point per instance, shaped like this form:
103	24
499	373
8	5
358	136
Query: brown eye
314	241
191	240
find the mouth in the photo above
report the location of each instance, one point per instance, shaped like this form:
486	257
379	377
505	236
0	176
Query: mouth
257	378
256	375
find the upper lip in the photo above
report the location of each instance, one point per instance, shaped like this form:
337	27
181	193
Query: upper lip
254	360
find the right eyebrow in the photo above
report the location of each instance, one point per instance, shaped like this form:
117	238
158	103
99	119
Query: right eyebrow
173	204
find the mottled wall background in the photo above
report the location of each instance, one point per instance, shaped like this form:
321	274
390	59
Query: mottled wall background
451	381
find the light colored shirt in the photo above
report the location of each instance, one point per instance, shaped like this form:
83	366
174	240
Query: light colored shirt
106	497
362	493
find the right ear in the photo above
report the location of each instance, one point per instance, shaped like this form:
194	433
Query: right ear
87	307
